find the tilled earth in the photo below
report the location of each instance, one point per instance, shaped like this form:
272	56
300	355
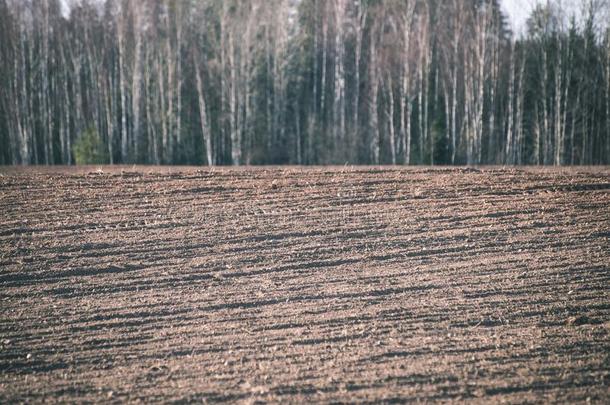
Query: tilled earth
304	285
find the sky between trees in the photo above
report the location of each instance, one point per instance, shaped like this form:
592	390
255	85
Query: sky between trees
516	10
519	10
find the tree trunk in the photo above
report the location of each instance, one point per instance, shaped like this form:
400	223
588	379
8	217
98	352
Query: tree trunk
203	116
390	115
509	155
374	87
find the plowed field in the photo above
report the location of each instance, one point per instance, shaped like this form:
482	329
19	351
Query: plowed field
301	285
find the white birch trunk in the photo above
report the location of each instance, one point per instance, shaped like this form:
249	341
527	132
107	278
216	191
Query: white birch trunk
405	125
339	85
374	87
360	26
136	82
390	115
509	155
203	116
170	71
519	119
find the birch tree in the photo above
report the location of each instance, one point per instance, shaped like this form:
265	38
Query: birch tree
304	82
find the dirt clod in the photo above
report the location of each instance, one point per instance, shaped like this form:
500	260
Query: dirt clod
583	320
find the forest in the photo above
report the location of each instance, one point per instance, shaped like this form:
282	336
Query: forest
303	82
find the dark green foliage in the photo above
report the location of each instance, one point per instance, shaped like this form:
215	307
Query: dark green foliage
441	144
89	149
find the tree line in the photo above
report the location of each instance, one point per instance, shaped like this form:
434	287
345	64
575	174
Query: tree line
218	82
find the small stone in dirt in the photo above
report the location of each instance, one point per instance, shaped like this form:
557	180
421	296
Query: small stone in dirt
158	369
582	320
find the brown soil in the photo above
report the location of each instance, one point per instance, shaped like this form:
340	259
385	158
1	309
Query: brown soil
300	285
